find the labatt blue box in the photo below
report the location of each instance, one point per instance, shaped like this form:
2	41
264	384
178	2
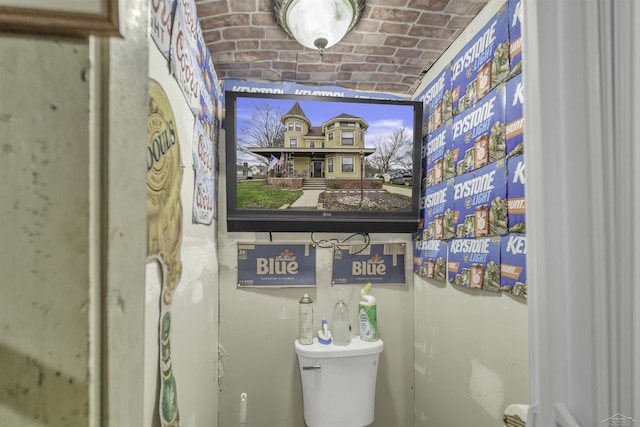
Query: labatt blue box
482	64
514	119
437	143
516	202
513	265
474	263
515	35
439	218
479	202
479	133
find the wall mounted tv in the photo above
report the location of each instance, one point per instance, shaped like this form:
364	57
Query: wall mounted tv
300	163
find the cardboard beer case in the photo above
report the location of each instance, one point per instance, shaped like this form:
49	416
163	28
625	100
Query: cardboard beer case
479	202
419	253
513	265
437	143
437	101
516	201
439	218
435	260
474	263
479	133
515	11
514	119
481	64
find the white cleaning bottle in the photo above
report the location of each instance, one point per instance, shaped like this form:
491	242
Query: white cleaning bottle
367	315
340	322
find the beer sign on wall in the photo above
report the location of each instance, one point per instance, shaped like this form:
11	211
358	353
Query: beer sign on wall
364	263
268	265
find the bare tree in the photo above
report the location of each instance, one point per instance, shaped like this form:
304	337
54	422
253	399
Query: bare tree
263	130
393	151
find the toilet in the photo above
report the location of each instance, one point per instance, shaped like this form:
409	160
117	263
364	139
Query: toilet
339	382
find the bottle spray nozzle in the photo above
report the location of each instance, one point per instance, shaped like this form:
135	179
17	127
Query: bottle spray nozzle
364	294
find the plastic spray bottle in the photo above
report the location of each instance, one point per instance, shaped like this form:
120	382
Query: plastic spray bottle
367	314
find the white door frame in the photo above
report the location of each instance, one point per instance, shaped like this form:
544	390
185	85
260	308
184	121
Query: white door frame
583	190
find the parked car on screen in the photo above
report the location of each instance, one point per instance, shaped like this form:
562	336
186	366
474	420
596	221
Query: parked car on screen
402	179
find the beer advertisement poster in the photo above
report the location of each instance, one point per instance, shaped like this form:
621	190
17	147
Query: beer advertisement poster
276	265
364	263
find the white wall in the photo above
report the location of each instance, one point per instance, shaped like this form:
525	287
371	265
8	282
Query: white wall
471	347
194	309
258	328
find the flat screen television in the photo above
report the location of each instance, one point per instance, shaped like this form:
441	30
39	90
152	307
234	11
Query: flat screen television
301	163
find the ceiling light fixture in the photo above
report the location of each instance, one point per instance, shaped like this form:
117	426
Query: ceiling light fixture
317	24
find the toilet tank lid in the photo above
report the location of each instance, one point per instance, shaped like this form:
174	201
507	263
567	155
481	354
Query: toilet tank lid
357	347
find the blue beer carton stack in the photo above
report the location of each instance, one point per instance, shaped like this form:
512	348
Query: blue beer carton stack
473	185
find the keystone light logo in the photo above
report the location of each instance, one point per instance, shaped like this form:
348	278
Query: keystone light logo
618	420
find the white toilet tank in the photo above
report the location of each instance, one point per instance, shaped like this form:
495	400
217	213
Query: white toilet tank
339	382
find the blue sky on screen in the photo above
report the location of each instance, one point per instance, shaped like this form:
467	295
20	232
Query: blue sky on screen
383	119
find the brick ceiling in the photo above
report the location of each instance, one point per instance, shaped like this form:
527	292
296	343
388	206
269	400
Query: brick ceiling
389	50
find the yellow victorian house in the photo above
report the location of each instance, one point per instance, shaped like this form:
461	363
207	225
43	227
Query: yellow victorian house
333	150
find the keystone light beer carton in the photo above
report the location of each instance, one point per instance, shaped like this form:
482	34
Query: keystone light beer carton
419	252
515	36
514	119
436	101
474	263
429	258
482	64
479	133
436	260
436	144
439	216
516	202
424	182
513	264
479	202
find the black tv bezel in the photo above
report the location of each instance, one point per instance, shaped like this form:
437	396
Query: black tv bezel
290	220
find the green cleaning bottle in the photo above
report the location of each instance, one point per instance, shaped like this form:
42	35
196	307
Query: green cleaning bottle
367	313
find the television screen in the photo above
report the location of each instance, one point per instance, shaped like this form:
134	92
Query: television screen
310	163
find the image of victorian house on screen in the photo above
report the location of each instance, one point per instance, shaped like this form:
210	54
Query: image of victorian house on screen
334	149
348	148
